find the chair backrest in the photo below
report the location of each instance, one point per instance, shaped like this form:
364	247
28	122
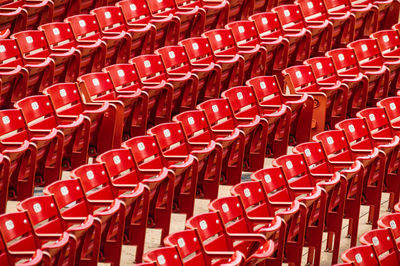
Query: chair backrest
300	79
66	98
377	121
219	113
110	18
290	16
313	9
136	11
198	50
296	171
84	27
388	40
124	76
361	256
97	86
267	24
32	43
59	35
335	145
150	67
243	101
120	166
315	156
195	125
356	131
174	58
10	56
323	68
391	221
12	122
244	32
267	89
221	41
392	106
367	52
345	60
168	256
164	7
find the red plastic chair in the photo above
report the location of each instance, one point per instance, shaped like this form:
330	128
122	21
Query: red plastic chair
346	63
299	175
98	186
184	86
245	105
296	43
236	221
274	53
318	163
320	32
109	215
191	19
124	172
198	130
189	241
85	6
16	68
142	36
360	137
59	36
200	54
176	61
384	244
240	10
388	43
67	100
268	92
337	147
65	8
32	44
387	11
221	116
167	27
33	154
86	29
12	20
343	24
256	246
391	221
330	99
130	108
361	256
47	219
76	130
125	78
258	203
22	258
20	236
369	56
38	12
217	12
149	156
325	72
224	45
366	16
174	142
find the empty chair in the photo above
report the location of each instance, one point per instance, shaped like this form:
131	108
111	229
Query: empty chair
224	45
98	186
256	247
199	52
221	116
72	202
184	86
32	44
40	72
325	72
65	8
125	78
246	37
173	142
331	98
130	107
198	130
86	28
268	92
86	5
338	149
299	175
391	221
149	156
343	24
47	219
240	10
38	13
236	221
320	31
176	61
384	244
191	20
67	100
370	57
346	63
12	20
296	43
387	11
245	105
366	17
59	35
260	204
137	12
217	12
35	155
124	172
18	226
76	130
142	36
318	163
361	256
